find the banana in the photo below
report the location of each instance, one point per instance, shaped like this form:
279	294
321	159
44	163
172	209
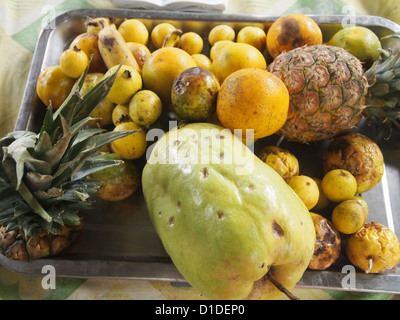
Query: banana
172	38
114	49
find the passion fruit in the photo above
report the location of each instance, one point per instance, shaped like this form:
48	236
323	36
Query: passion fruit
194	94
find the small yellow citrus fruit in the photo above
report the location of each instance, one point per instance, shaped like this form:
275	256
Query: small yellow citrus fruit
133	30
221	32
191	42
349	216
339	185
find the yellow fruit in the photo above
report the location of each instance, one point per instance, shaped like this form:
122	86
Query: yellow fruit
53	86
236	56
118	182
88	42
127	82
145	108
253	99
191	42
132	146
292	31
161	69
159	32
73	62
361	42
306	188
214	51
327	245
349	216
339	185
202	61
120	114
140	52
359	155
133	30
281	160
254	36
323	201
375	248
221	32
103	111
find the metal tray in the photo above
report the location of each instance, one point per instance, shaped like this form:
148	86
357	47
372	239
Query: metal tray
119	241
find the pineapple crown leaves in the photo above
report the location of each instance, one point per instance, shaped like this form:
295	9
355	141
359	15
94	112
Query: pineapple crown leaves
383	99
44	180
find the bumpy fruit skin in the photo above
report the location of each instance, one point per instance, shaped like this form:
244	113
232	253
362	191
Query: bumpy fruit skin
224	217
327	244
359	155
327	90
283	161
375	248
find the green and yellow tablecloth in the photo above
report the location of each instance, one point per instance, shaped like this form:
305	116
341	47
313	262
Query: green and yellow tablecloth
20	25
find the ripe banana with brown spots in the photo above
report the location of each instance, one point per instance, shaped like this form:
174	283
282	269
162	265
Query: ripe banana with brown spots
114	49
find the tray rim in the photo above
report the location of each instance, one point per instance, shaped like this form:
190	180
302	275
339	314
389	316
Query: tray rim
145	270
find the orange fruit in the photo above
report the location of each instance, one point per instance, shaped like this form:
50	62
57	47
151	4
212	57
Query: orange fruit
221	32
162	67
159	32
254	36
253	98
291	31
235	56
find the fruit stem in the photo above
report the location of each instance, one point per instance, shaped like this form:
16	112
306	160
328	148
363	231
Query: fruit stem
281	288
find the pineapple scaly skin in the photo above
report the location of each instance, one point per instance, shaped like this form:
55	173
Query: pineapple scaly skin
44	184
327	90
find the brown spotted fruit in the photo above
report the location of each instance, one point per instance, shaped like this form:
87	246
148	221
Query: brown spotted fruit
359	155
228	221
327	244
194	94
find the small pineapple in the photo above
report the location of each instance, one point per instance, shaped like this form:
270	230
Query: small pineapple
43	176
327	88
330	91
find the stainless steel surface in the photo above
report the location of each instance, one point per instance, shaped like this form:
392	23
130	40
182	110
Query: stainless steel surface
119	241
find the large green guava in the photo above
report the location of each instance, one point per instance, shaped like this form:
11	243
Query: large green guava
224	217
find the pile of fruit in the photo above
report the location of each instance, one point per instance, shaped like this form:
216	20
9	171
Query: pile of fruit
236	225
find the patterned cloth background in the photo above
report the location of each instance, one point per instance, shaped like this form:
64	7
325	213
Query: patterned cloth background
20	24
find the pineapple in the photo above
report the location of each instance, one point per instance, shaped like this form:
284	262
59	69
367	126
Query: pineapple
44	184
327	88
383	99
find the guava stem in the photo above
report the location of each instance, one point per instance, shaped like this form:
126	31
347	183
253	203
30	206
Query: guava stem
281	287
